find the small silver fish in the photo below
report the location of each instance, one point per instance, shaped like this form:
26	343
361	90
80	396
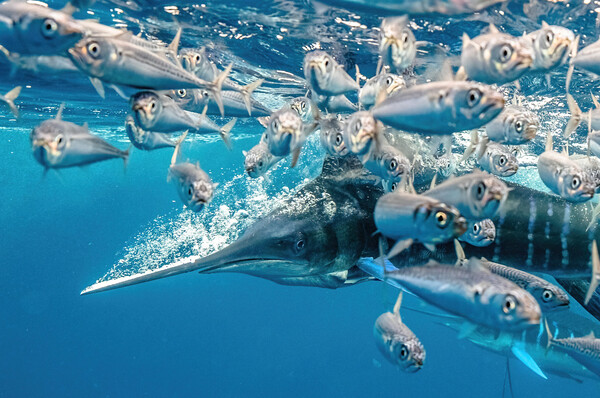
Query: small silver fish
120	62
399	7
440	107
396	342
388	163
549	296
160	113
234	103
59	144
476	195
259	160
471	292
397	44
591	166
32	29
585	350
332	136
495	57
306	108
197	62
194	186
407	218
563	176
335	104
146	140
325	76
550	46
479	233
286	134
492	157
391	83
514	126
362	134
588	57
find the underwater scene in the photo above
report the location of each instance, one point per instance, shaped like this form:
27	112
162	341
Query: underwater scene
295	198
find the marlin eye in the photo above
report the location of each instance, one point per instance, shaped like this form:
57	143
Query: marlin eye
575	182
475	228
547	296
502	161
338	139
300	244
505	53
509	304
473	97
94	49
49	27
393	164
441	218
182	93
403	352
519	126
480	190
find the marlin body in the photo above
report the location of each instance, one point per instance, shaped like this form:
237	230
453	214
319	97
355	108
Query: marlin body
316	238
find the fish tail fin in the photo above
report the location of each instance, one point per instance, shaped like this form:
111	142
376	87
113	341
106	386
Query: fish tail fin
247	91
460	252
573	53
576	116
295	156
549	143
472	145
225	132
10	97
215	88
595	273
178	149
126	154
485	140
548	335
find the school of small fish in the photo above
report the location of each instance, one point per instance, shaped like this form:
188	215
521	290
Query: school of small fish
176	91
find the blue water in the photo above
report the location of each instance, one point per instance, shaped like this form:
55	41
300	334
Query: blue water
222	335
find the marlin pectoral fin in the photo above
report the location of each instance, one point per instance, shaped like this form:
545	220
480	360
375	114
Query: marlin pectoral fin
518	349
466	329
374	268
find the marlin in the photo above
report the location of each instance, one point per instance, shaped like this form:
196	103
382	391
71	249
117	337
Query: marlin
316	238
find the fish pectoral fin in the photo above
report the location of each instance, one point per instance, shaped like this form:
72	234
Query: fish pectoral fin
399	247
247	94
595	274
295	156
518	350
98	86
466	329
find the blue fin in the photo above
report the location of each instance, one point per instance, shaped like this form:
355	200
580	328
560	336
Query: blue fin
518	349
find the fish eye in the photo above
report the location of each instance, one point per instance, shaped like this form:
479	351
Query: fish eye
49	27
473	97
405	37
547	295
205	93
394	186
441	218
480	190
575	182
190	191
509	304
403	352
275	124
502	161
303	105
94	49
260	163
549	37
300	244
59	139
326	63
182	93
197	58
393	164
357	126
338	139
153	105
475	228
519	126
505	53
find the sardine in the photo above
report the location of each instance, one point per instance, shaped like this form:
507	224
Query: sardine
563	176
306	108
286	134
440	107
396	342
585	350
59	144
492	157
332	136
146	140
514	126
362	134
234	104
120	62
476	195
259	160
397	44
550	46
325	76
495	57
388	163
370	92
549	296
479	233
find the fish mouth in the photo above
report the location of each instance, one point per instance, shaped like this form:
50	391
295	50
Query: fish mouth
414	367
530	132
